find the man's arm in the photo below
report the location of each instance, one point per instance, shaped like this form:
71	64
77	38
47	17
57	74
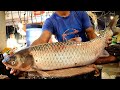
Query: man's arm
90	33
87	25
44	38
104	60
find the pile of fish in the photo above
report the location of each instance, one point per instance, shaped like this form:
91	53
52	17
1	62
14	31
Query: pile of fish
59	55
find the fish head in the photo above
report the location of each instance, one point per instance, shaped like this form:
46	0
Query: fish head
10	61
21	60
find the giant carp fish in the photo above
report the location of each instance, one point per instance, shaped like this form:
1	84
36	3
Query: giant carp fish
59	55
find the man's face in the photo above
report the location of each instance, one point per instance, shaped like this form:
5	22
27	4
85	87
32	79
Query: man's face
12	36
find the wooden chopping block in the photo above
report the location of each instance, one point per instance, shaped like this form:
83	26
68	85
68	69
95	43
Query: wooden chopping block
63	73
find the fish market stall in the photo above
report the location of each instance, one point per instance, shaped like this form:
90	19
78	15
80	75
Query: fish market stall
63	60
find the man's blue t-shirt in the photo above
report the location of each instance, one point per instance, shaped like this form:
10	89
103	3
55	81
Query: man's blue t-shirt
65	28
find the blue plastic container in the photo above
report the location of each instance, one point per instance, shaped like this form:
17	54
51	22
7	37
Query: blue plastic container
33	31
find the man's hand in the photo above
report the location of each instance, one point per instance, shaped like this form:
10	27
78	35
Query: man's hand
13	71
108	41
76	39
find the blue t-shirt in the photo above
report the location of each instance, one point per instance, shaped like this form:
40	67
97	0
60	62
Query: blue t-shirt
65	28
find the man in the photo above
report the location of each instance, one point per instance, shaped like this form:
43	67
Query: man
12	42
67	25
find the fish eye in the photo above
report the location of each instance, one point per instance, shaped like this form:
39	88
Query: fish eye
13	62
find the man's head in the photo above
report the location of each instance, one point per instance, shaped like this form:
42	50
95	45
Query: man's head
12	35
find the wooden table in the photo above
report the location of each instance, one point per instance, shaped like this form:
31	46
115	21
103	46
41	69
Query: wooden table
76	72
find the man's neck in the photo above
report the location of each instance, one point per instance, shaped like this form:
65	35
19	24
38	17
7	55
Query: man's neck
63	13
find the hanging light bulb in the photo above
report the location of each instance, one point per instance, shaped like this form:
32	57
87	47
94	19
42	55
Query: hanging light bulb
111	17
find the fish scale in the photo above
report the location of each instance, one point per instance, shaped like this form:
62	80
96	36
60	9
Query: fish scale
73	54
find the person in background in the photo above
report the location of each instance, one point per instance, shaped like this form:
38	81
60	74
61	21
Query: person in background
68	25
12	42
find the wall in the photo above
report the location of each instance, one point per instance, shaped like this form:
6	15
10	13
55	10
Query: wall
2	31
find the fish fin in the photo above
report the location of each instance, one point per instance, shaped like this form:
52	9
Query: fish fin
105	54
43	74
31	69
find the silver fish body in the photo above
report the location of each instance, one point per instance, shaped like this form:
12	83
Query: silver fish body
50	56
64	55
